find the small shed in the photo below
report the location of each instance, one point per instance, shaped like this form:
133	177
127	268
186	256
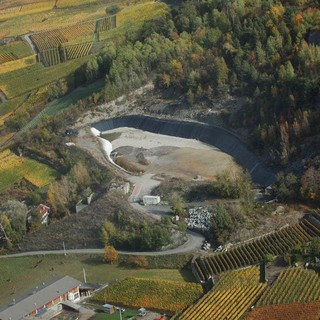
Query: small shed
150	200
142	311
109	308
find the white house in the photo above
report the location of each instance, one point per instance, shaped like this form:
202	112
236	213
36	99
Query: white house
150	200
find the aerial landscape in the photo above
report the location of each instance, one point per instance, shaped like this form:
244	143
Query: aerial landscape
159	159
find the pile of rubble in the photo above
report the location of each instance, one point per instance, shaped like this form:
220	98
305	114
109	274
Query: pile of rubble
199	219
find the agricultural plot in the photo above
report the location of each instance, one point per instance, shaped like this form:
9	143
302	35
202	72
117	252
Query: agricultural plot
25	8
11	105
74	3
21	81
78	30
106	23
251	252
234	294
50	57
47	40
76	51
18	64
5	57
296	311
14	168
16	50
293	285
168	296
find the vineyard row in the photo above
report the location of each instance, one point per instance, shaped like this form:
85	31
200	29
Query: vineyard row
53	56
229	299
255	251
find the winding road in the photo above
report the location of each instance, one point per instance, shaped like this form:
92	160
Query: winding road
193	244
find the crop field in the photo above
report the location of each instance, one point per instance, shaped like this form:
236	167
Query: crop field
38	269
252	252
73	3
40	16
17	49
14	168
234	294
54	38
50	57
26	8
10	105
21	81
296	311
131	18
77	50
17	64
293	285
167	296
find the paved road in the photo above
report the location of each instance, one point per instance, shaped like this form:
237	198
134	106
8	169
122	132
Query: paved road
193	244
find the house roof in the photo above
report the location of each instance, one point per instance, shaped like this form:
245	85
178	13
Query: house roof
43	209
38	298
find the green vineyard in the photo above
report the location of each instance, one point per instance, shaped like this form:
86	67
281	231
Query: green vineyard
50	57
48	39
52	45
76	51
5	57
293	285
233	295
106	24
255	251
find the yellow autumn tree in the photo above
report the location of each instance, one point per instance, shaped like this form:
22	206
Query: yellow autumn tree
110	254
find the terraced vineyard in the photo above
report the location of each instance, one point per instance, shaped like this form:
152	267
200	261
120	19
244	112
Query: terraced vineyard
77	50
50	57
293	285
48	39
234	294
253	251
169	296
296	311
106	23
5	57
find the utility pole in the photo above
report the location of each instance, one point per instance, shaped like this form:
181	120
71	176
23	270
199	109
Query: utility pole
64	249
84	276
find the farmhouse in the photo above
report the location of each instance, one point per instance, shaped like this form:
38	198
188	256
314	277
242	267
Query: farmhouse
45	299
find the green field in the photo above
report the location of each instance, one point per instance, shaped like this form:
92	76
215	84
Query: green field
55	106
24	80
18	48
10	105
14	168
38	269
115	316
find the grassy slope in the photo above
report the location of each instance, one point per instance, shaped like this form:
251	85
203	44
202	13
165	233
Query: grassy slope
20	81
14	168
19	48
35	21
55	106
38	269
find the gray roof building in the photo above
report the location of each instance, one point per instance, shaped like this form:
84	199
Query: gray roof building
38	298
